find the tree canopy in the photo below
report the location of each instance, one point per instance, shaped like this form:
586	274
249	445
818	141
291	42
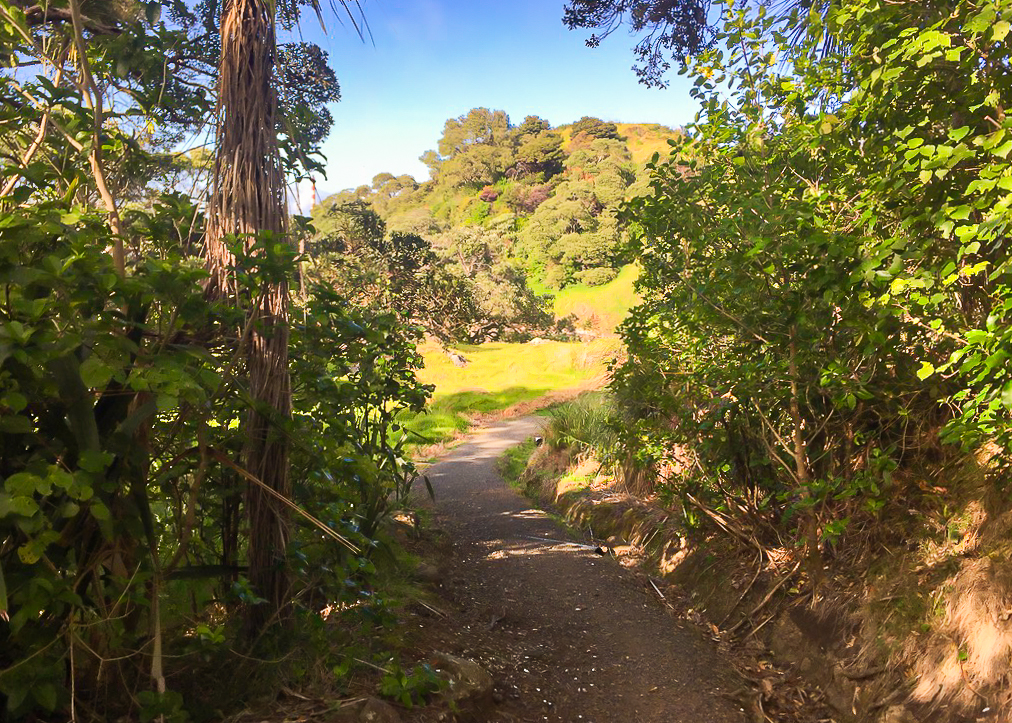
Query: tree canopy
670	30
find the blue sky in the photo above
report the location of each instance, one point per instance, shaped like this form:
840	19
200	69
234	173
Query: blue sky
437	59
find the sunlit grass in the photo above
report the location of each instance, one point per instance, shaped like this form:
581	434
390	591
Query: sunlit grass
644	139
513	462
609	303
497	377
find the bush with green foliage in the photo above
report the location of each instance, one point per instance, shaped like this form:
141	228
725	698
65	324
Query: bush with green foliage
824	266
124	392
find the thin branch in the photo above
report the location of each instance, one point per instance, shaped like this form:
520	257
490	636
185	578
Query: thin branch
36	144
39	106
94	99
280	497
38	15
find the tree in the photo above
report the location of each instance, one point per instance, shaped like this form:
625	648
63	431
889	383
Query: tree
475	166
474	149
538	150
533	125
347	228
306	85
673	30
594	128
432	161
247	208
479	126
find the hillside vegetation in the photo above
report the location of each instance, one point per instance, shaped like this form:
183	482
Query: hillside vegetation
543	199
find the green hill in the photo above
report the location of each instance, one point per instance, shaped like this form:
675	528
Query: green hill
543	198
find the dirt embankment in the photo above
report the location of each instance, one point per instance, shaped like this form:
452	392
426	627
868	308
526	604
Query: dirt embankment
917	629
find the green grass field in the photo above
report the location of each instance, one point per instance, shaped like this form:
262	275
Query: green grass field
499	376
600	307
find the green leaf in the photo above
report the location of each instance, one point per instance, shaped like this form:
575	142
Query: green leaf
45	695
999	30
958	134
15	401
95	373
23	506
926	370
27	484
153	11
15	425
1003	150
16	696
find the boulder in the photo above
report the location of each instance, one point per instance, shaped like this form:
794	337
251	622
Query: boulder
470	685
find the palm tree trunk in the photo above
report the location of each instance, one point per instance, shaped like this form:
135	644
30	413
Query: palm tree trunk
248	199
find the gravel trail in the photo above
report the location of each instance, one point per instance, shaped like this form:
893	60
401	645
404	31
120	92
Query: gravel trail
568	635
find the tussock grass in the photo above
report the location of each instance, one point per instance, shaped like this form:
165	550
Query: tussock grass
584	425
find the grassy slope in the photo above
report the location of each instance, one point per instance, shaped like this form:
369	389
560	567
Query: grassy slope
642	139
499	376
610	303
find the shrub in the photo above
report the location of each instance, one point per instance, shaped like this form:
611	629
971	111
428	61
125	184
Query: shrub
596	277
526	199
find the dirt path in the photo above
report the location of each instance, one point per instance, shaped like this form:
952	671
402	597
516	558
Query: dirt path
568	635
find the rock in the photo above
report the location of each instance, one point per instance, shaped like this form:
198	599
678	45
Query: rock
426	572
537	340
458	360
897	714
378	711
470	685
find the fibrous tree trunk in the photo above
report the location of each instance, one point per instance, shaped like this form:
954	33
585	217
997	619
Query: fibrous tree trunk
247	203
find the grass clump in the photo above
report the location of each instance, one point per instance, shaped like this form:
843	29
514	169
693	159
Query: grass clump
585	424
513	463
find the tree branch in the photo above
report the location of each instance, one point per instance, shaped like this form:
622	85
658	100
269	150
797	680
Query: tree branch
94	98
